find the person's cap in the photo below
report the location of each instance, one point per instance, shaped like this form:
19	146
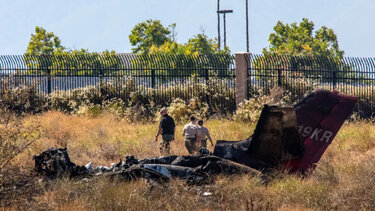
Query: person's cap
200	121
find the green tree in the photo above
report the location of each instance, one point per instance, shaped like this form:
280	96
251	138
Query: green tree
298	40
41	47
46	55
199	44
44	43
300	58
168	48
299	51
200	51
149	33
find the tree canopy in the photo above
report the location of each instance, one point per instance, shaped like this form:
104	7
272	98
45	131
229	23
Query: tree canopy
149	33
298	40
45	54
44	43
297	50
200	44
151	37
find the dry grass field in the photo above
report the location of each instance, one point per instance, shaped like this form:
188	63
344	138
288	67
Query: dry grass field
343	180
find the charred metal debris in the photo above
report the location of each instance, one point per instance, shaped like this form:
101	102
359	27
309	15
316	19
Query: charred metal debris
292	138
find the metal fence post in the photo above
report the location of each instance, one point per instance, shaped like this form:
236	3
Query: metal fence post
334	75
279	77
49	84
206	78
100	83
241	80
153	78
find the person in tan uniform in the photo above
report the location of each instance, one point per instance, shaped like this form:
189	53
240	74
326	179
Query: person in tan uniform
204	134
192	139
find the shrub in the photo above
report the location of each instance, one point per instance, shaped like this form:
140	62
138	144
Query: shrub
71	102
141	112
23	99
181	110
178	110
91	110
249	110
15	137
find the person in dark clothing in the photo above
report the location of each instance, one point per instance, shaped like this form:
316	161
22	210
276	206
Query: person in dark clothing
167	130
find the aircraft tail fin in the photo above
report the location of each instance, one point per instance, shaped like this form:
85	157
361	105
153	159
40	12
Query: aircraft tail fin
319	118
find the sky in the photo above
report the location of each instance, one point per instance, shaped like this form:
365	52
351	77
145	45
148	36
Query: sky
99	25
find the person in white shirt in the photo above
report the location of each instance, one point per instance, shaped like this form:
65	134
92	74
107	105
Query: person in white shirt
192	139
204	134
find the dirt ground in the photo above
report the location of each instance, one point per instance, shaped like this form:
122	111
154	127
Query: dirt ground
18	187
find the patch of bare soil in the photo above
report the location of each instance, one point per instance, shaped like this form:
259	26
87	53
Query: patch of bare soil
18	187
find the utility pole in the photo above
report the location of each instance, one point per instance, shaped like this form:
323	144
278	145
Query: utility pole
225	30
218	23
247	27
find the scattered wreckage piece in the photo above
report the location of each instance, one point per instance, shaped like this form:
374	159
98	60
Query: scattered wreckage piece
56	163
195	169
275	140
206	164
135	172
293	138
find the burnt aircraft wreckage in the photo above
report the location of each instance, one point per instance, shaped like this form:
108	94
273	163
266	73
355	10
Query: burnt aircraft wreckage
292	138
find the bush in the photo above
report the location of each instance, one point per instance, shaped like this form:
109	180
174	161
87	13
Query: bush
178	110
15	137
249	110
71	102
141	112
215	96
23	99
181	111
